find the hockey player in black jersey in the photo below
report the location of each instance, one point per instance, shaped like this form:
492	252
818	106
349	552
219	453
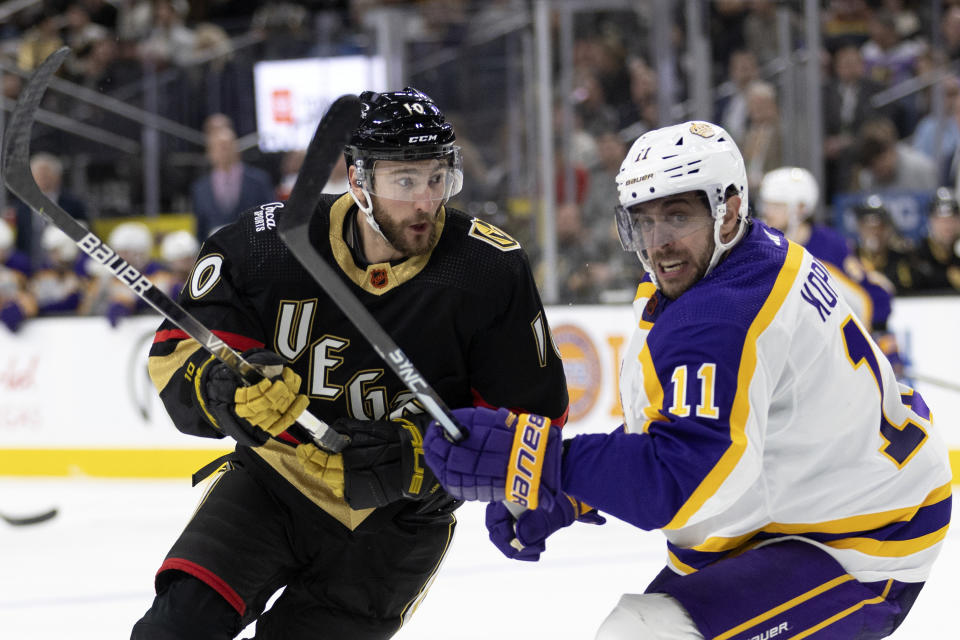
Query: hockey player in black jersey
355	538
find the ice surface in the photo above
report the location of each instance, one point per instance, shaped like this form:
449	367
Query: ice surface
87	574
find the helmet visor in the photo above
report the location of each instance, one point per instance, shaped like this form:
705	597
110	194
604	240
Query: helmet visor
641	229
411	178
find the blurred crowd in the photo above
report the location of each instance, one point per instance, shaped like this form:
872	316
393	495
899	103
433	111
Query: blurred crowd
878	139
65	282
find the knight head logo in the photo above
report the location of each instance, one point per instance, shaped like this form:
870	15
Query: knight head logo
378	278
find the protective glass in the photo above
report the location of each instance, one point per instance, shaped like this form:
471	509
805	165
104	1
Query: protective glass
410	178
642	230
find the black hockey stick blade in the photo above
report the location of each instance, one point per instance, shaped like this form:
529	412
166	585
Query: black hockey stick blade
19	179
21	521
293	226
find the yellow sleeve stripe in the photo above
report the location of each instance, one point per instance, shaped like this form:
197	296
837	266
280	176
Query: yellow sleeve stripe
197	377
162	368
651	385
865	522
891	548
679	565
741	402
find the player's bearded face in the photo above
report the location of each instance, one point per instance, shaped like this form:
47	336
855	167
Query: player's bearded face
678	235
410	227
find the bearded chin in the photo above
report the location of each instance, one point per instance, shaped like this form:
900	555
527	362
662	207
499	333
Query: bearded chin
394	235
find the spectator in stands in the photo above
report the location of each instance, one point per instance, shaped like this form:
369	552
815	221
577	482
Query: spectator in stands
591	104
16	303
59	283
761	30
230	187
80	31
939	138
178	250
887	163
47	171
577	257
733	112
938	257
102	12
40	41
846	21
107	296
950	30
169	41
879	247
762	141
639	115
846	105
890	59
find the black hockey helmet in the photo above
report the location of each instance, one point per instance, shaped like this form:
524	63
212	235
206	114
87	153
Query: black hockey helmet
401	121
944	203
403	126
872	210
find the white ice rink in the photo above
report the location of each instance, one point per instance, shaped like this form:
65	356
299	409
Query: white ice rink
87	574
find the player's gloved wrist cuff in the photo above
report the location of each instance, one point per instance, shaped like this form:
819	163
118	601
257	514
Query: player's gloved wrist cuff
384	461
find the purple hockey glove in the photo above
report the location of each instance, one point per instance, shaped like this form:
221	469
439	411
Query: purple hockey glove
524	538
503	457
12	315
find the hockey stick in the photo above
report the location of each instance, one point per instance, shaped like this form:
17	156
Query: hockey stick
19	179
931	380
21	521
293	228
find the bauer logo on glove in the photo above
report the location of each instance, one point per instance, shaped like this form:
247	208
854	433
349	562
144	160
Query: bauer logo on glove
526	458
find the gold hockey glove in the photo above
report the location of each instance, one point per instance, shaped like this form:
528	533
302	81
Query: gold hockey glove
251	414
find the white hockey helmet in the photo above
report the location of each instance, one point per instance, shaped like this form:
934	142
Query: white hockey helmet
131	236
693	156
6	236
793	187
58	245
179	245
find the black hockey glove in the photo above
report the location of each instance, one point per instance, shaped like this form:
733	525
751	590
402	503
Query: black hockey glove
251	414
384	461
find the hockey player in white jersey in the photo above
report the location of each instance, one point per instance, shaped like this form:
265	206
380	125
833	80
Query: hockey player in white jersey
802	490
788	200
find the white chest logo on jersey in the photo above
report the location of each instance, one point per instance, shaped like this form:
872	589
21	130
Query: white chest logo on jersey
491	235
263	219
205	274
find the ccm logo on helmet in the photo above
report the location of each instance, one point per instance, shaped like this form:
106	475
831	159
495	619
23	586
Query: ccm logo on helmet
430	138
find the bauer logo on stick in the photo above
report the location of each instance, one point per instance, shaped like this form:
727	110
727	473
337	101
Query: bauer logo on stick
96	249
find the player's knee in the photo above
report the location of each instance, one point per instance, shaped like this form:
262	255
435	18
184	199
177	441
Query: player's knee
648	616
187	609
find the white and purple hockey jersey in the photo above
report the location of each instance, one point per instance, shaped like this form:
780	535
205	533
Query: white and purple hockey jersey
758	406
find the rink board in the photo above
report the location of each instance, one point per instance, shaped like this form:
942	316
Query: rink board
76	400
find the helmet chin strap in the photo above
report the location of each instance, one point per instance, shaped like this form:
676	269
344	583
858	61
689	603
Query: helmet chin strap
367	210
720	247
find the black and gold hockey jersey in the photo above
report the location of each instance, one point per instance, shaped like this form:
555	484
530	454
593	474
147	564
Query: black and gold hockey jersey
468	315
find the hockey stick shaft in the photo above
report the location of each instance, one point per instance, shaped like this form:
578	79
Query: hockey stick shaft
933	381
19	179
